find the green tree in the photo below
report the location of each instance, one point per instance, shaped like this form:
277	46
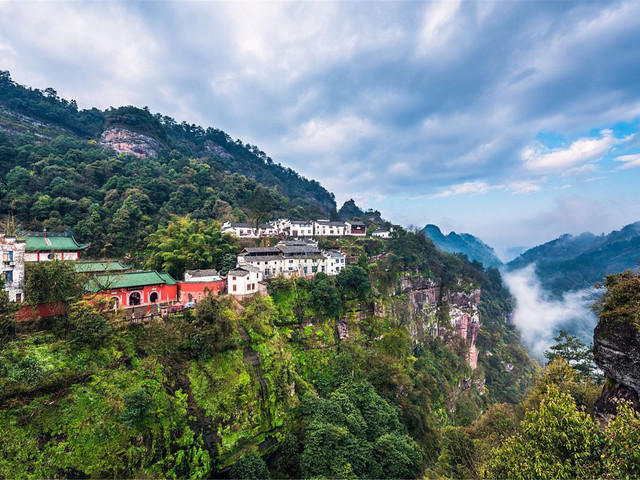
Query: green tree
7	311
354	282
579	355
556	441
264	202
186	244
53	282
250	466
324	296
87	324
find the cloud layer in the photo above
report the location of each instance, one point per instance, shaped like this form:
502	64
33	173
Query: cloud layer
384	102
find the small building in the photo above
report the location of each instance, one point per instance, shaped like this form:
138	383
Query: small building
267	230
132	289
356	228
244	280
199	283
326	228
239	229
300	228
382	233
336	261
46	246
12	253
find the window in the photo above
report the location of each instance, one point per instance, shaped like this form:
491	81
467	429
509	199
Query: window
18	297
235	287
8	276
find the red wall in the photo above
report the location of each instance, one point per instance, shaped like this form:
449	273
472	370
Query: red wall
166	293
197	289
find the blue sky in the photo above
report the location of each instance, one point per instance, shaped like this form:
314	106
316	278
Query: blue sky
514	121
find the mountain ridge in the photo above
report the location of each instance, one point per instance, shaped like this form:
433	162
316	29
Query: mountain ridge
464	243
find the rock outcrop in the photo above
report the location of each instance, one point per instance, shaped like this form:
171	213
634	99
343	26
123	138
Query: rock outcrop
123	140
466	320
616	346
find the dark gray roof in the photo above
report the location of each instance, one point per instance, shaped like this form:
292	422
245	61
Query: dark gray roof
203	273
259	250
357	223
302	249
241	225
262	258
238	273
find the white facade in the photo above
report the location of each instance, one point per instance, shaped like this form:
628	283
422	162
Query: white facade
239	229
325	228
202	276
12	253
300	229
244	280
382	234
336	261
292	258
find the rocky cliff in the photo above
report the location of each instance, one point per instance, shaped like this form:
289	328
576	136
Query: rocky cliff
123	140
418	302
616	346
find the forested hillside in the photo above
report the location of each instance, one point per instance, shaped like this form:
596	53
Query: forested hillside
58	171
464	243
345	376
575	262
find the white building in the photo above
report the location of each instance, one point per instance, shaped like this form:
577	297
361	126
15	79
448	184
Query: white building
12	252
300	228
202	276
336	261
326	228
381	233
239	229
244	280
288	258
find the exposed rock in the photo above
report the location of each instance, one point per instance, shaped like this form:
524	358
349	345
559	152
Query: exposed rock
127	141
616	346
466	320
343	328
216	149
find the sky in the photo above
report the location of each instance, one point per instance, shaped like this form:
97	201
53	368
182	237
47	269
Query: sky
514	121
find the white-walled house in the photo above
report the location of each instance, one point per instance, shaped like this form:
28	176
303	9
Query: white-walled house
381	233
336	261
12	253
300	228
239	229
301	258
327	228
244	280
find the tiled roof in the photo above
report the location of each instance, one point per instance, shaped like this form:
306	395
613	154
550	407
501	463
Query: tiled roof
100	266
202	273
260	250
357	223
129	279
328	223
53	241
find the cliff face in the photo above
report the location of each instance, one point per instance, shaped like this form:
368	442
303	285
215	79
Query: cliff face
127	141
418	302
616	346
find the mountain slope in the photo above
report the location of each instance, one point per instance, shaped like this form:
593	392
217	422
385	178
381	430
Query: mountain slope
471	246
113	176
575	262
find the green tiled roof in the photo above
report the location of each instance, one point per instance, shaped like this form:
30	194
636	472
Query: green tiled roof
100	266
37	242
129	279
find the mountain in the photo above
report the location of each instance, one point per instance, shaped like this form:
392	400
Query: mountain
471	246
576	262
114	176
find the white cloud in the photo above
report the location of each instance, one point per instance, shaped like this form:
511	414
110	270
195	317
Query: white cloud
524	187
467	188
581	151
539	318
629	161
438	26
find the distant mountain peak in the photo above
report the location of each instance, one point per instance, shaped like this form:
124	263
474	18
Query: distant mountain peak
465	243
